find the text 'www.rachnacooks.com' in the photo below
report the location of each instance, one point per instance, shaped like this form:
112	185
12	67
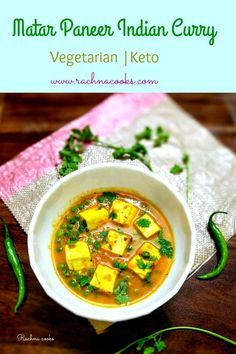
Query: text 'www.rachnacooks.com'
93	80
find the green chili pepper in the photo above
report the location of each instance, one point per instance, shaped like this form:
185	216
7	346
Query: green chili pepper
15	264
221	247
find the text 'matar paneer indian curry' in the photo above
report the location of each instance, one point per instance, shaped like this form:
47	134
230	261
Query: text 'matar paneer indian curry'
112	248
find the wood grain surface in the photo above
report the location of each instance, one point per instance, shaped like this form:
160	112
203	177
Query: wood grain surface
26	118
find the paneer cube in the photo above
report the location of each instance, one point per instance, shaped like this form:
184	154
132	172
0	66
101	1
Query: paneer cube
147	226
104	278
78	256
117	242
140	266
95	217
149	251
124	212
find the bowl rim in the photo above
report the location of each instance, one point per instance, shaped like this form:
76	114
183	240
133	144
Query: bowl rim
121	316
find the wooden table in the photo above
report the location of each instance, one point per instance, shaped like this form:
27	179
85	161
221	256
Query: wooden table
25	119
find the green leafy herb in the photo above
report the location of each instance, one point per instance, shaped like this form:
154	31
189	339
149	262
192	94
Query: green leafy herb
90	240
140	343
113	215
160	345
166	248
147	277
84	280
149	350
73	148
162	137
176	169
103	235
185	159
145	134
96	245
153	258
121	292
85	135
143	265
143	222
135	152
109	196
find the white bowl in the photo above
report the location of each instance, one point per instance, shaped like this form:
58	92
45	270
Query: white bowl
118	175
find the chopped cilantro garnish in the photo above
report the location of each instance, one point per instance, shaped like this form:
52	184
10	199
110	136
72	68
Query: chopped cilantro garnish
121	292
144	134
153	258
143	222
143	265
147	277
90	240
109	196
103	235
185	158
166	248
162	137
176	169
113	215
96	245
73	148
84	280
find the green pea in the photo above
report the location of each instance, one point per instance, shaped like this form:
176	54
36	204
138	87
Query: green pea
62	266
100	199
60	233
67	233
73	221
63	226
59	249
72	282
74	209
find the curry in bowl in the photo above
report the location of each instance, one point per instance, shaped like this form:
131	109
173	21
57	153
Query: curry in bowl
112	248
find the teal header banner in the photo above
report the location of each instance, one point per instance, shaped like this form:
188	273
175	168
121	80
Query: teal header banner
125	46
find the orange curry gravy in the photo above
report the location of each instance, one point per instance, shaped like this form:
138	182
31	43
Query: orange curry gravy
67	231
